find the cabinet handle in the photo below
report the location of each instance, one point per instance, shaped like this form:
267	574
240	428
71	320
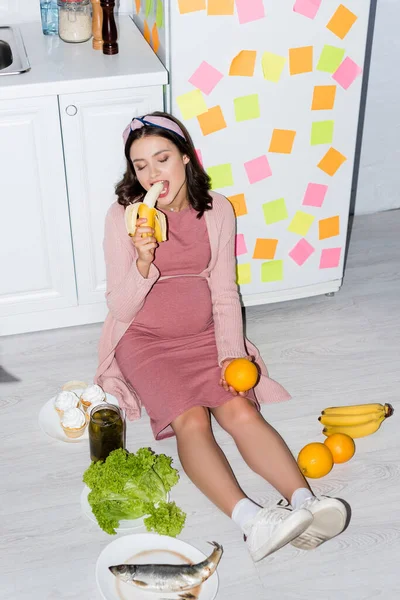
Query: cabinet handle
71	110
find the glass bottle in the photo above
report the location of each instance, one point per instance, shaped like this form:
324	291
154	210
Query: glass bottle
106	430
75	20
49	16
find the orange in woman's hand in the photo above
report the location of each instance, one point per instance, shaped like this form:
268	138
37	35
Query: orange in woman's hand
315	460
342	447
241	374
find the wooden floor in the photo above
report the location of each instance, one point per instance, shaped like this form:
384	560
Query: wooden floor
326	351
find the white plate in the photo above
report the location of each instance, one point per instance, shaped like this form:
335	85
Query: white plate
49	421
158	549
124	526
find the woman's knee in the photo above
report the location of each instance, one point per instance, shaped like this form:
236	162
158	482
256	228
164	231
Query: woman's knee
194	420
236	414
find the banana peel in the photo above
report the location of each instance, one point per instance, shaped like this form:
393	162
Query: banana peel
146	210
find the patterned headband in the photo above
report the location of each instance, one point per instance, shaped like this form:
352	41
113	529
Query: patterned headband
152	121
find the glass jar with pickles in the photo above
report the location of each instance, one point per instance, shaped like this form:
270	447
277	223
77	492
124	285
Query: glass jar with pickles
106	430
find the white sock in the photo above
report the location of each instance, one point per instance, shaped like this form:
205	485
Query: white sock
244	511
300	496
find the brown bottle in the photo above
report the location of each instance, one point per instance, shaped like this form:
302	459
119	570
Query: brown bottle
109	30
97	25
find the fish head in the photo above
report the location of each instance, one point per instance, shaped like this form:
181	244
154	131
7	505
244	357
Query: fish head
123	572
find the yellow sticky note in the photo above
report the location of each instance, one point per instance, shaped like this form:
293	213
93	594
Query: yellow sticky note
243	64
331	162
146	32
243	273
342	21
156	39
275	211
238	202
330	58
300	60
188	6
247	107
220	7
192	104
282	141
211	121
265	248
329	227
272	271
323	97
272	66
221	176
301	223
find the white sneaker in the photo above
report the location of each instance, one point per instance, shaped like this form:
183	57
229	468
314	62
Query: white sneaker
330	517
273	528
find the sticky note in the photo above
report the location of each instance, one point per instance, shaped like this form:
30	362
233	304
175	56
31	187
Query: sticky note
330	58
206	77
301	252
146	31
243	64
321	132
315	195
238	202
275	211
282	141
249	10
301	223
160	14
331	162
191	104
342	21
323	97
300	60
272	66
307	8
347	73
211	121
221	176
243	274
149	7
199	156
220	7
188	6
330	258
265	248
247	107
329	227
155	38
240	245
137	2
257	169
272	271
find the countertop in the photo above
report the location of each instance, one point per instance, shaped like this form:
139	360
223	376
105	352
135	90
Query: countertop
61	68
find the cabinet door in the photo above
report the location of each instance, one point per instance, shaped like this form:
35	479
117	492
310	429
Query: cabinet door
37	268
92	125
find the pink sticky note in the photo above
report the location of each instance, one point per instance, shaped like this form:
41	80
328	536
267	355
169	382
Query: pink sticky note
308	8
346	73
199	156
250	10
240	245
330	258
301	252
315	195
205	78
258	169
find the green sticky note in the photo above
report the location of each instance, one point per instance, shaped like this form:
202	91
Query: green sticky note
192	104
221	176
301	223
322	132
330	58
272	66
272	271
247	107
275	211
149	7
160	14
243	273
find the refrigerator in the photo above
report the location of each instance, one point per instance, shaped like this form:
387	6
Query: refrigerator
270	92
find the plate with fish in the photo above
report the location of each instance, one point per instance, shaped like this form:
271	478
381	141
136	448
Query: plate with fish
147	566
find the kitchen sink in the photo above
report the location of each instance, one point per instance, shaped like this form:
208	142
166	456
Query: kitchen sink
13	56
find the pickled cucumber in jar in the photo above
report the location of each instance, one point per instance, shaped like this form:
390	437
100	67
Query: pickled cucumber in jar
106	430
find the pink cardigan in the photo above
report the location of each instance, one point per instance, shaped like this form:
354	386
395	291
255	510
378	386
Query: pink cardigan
127	291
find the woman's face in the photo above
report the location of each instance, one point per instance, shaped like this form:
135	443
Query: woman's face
157	159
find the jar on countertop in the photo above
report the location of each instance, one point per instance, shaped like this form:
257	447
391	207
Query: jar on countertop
74	20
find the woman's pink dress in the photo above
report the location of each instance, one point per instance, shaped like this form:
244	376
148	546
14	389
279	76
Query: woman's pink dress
169	352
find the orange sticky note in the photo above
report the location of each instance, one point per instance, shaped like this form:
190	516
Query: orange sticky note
282	141
323	97
155	38
265	248
342	21
329	227
243	64
212	120
137	6
332	160
300	60
188	6
220	7
239	204
146	32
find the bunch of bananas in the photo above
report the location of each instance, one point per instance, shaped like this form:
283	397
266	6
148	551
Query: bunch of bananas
356	421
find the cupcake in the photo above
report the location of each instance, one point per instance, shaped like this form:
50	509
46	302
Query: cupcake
91	396
65	400
74	422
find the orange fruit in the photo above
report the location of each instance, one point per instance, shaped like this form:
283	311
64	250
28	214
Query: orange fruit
342	447
241	374
315	460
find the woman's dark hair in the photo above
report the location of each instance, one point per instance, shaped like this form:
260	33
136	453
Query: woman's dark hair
198	182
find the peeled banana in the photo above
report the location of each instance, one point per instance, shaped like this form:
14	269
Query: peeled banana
145	210
356	421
